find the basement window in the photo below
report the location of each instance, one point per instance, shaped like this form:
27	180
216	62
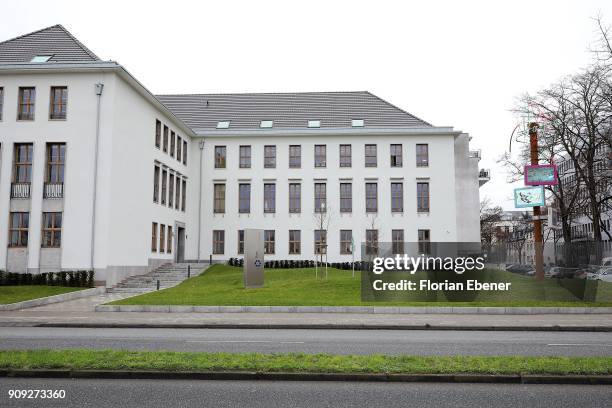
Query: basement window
357	123
224	124
41	58
266	124
314	123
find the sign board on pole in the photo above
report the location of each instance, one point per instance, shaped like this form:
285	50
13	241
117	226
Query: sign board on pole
253	258
529	197
541	175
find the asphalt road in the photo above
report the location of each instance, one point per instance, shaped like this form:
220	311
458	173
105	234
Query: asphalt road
422	342
253	394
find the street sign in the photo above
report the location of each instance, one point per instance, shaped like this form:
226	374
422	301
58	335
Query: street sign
529	197
541	175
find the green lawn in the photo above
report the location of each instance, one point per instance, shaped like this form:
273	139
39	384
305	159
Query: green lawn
298	362
13	294
223	285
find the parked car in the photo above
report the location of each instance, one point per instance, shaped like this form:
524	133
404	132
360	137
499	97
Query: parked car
606	261
604	274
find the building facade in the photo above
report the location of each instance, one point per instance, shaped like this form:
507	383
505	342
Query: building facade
97	172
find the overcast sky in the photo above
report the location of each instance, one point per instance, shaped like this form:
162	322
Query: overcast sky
452	63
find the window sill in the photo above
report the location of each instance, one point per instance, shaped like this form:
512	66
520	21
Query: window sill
58	119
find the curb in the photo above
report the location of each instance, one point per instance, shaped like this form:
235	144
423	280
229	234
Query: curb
315	326
280	376
354	309
53	299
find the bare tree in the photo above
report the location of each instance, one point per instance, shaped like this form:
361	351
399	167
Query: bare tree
322	219
489	218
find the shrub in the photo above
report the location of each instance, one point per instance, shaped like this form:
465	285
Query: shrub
72	278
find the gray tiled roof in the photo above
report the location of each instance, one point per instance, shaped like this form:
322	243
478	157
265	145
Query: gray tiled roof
288	110
54	40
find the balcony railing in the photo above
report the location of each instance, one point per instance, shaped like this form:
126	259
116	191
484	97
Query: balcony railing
20	190
53	190
477	154
484	175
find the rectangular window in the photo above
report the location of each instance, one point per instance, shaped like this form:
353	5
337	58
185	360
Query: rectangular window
154	237
52	230
219	206
18	229
423	197
320	153
371	242
269	157
184	200
295	242
220	157
56	155
164	189
320	197
165	141
397	241
346	242
172	143
397	197
179	147
240	242
345	155
218	242
244	198
346	197
370	155
320	238
245	157
371	197
269	242
422	155
424	244
162	238
171	191
396	155
1	102
155	184
295	197
22	163
185	152
27	99
169	242
177	200
295	156
269	197
157	133
59	102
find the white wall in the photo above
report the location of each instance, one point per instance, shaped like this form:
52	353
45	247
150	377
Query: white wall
125	207
441	220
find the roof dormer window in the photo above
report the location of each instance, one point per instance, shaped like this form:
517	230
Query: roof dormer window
41	58
266	124
357	123
314	123
224	124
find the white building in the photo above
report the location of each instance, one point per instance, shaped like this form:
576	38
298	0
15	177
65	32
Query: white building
96	171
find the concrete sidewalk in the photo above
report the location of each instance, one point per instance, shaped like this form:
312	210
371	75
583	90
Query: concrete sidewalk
84	318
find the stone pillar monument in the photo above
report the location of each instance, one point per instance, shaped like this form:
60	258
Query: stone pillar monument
253	258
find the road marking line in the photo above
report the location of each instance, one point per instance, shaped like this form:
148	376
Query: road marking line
243	341
579	344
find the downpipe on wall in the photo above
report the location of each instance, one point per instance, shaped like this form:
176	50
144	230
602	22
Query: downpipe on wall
99	87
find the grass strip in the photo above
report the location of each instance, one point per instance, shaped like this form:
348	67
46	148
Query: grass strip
78	359
14	294
223	285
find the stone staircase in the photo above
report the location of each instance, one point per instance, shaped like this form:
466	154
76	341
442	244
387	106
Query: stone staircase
169	275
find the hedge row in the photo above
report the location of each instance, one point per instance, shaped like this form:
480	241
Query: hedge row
298	263
73	278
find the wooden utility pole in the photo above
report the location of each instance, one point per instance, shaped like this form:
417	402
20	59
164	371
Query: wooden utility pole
537	222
